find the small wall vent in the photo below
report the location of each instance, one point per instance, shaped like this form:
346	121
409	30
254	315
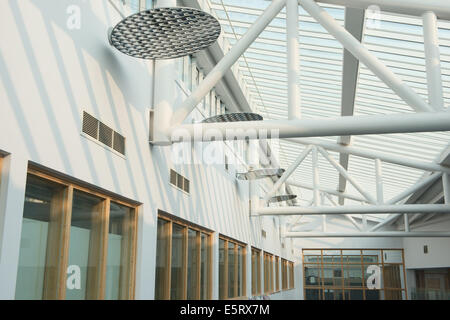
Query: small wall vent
103	133
177	180
263	233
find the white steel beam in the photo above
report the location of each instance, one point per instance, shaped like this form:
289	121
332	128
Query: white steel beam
370	154
327	190
379	181
419	185
414	100
406	220
293	56
433	61
227	62
360	209
446	187
358	125
354	24
350	218
289	171
410	7
316	179
346	175
392	234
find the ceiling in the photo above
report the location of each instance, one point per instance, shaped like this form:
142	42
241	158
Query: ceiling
396	40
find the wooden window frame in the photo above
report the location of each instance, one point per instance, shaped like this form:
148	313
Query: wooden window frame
320	265
57	257
170	219
268	273
277	273
284	274
256	277
225	288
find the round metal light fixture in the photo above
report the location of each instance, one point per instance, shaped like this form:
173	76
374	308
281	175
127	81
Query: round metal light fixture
165	33
284	197
259	174
234	117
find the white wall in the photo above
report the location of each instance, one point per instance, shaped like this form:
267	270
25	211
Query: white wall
438	248
50	74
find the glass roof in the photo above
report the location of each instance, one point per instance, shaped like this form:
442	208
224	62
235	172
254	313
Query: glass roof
395	39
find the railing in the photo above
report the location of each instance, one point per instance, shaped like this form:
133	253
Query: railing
429	294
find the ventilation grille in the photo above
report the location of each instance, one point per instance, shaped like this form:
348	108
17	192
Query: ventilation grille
179	181
263	233
102	133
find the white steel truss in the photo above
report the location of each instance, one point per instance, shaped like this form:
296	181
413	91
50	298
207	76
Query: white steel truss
431	116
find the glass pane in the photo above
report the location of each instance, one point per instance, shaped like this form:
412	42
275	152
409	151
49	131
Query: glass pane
176	277
40	197
85	228
241	271
392	256
313	294
162	253
120	245
222	284
354	295
332	275
353	276
312	259
372	294
231	271
205	268
351	256
312	275
192	267
333	294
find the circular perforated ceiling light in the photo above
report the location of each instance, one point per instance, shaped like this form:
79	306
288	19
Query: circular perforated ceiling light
259	174
165	33
234	117
284	197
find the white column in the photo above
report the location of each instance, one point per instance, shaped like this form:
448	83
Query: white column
433	61
293	56
164	91
349	42
12	195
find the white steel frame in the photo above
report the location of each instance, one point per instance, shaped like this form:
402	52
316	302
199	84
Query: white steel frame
430	117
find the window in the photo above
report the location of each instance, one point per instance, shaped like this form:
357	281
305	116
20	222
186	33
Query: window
277	274
268	273
284	274
256	272
183	260
76	243
291	275
232	273
342	274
